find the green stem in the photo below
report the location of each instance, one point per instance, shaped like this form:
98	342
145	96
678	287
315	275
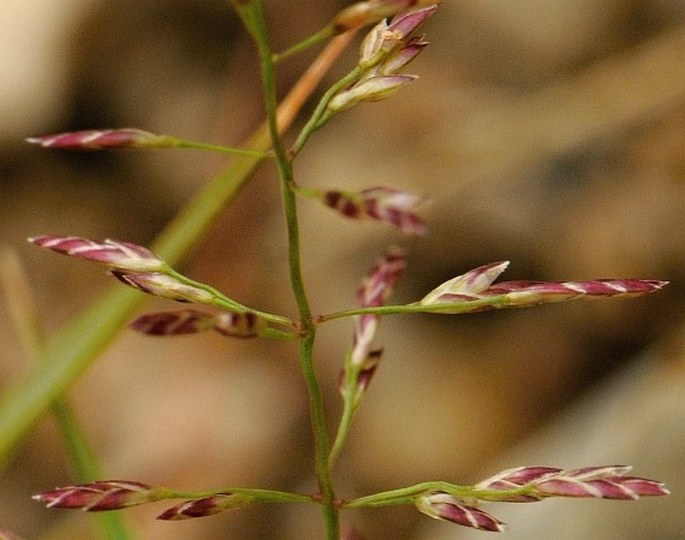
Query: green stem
195	145
456	308
222	301
255	495
350	404
253	18
343	430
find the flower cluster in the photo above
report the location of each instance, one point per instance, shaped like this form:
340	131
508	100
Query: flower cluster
138	267
384	52
531	484
117	494
474	291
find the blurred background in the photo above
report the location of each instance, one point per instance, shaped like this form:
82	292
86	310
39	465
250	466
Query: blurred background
547	133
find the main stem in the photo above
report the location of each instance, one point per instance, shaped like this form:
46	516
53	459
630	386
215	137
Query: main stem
253	17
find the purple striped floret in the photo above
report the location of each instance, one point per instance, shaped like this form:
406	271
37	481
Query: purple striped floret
113	253
103	139
99	496
207	506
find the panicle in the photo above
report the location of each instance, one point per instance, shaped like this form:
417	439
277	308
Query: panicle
104	139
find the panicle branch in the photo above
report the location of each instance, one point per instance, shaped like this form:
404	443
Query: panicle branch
137	267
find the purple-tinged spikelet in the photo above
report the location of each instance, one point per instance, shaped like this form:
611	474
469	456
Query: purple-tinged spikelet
607	482
104	139
512	480
207	506
101	495
372	89
386	49
174	323
477	285
362	361
394	206
192	321
117	255
532	484
443	506
164	286
389	205
525	293
466	286
246	324
374	291
529	484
